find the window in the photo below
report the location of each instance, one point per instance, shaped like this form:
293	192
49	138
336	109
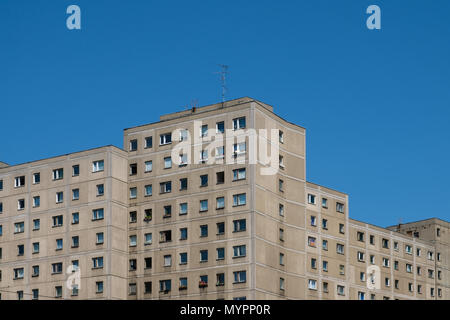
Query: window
220	279
165	138
281	210
36	224
220	228
183	160
75	194
203	180
148	190
183	258
1	185
240	276
280	185
239	199
133	169
148	263
396	265
36	178
183	233
220	152
313	221
341	269
133	193
36	201
204	130
20	250
133	240
165	285
419	288
1	207
239	225
340	290
282	284
220	253
203	156
220	203
203	283
204	230
57	267
147	239
98	166
372	259
18	273
325	245
239	251
339	207
418	252
239	148
360	236
239	123
165	236
311	199
58	292
416	234
59	244
21	204
148	142
430	273
19	227
341	228
58	174
281	259
165	187
408	249
184	135
387	282
183	208
36	247
239	174
99	286
220	177
167	211
385	262
99	238
183	184
395	245
325	224
133	216
408	268
430	255
361	295
148	166
35	271
372	239
385	243
312	242
75	170
313	263
281	234
324	203
362	276
75	242
133	145
1	230
60	197
325	287
220	127
167	260
203	255
312	284
203	205
360	256
75	218
132	289
100	190
280	136
97	262
340	248
19	181
97	214
167	162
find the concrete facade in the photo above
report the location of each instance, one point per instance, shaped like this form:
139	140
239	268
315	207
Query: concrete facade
168	232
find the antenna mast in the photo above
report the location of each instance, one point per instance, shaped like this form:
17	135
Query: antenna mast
223	79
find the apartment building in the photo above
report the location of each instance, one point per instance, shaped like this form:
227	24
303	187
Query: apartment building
189	210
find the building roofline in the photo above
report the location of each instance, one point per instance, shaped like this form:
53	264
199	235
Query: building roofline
319	185
238	101
62	155
422	220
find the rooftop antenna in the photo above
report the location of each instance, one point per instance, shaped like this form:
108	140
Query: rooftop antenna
223	78
400	221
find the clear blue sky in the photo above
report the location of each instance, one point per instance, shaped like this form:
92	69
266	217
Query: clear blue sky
376	104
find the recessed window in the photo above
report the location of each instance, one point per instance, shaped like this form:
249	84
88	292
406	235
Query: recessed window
165	187
220	177
220	152
240	276
98	166
239	148
19	227
311	199
19	181
203	255
280	136
133	241
312	284
1	185
183	184
75	242
148	142
203	205
325	224
313	221
239	225
57	221
239	174
324	203
97	262
97	214
183	233
133	216
100	190
184	135
203	180
281	185
75	217
36	201
58	174
340	248
183	208
183	258
60	197
133	145
360	256
325	266
339	207
167	260
75	194
203	156
385	243
220	253
36	224
148	166
239	251
167	162
148	190
239	123
281	210
99	286
36	178
132	289
165	138
204	230
312	241
21	204
220	127
75	170
59	244
341	228
165	236
239	199
148	239
220	203
325	245
165	285
133	193
167	211
313	263
99	238
148	263
204	130
133	169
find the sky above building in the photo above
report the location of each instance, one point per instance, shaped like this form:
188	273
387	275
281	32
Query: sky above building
375	103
